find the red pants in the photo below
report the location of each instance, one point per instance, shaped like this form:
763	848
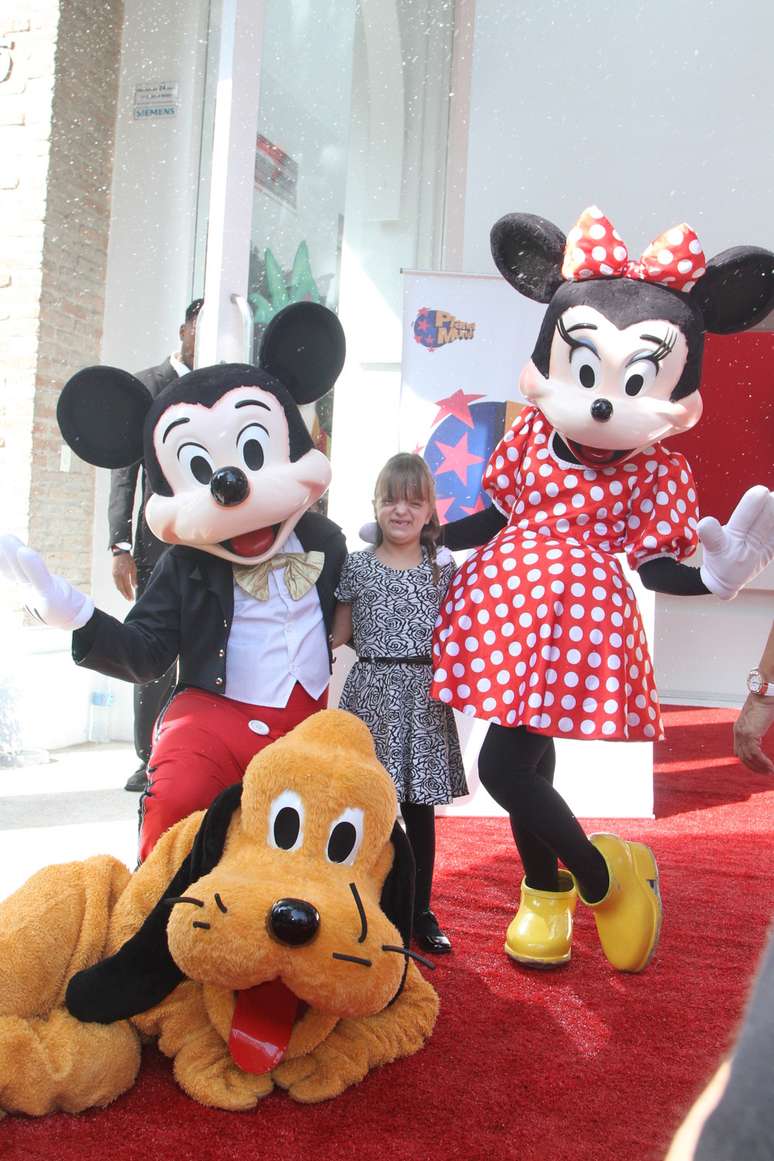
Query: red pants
202	744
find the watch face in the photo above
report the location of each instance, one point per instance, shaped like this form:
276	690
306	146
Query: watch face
755	682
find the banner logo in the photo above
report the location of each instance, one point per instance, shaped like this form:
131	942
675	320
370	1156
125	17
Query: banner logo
438	328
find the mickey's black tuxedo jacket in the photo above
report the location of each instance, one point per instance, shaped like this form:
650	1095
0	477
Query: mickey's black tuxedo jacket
186	611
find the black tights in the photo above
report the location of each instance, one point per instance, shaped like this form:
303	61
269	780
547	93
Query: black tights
420	831
517	768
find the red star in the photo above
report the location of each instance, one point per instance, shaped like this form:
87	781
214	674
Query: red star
442	506
456	405
479	505
457	458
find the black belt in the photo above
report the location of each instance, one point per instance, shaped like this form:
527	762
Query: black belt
427	660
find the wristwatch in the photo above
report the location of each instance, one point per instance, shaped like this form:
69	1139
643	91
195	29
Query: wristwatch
120	548
757	683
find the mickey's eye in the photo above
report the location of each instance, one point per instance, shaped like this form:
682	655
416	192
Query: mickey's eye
345	837
196	460
286	822
639	374
251	442
586	367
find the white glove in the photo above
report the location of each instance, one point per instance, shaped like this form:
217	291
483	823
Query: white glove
367	532
51	599
736	552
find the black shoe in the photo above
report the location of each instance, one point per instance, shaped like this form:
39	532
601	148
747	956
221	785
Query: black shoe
429	936
137	781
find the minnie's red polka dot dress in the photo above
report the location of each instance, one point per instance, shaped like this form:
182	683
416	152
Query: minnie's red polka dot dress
539	627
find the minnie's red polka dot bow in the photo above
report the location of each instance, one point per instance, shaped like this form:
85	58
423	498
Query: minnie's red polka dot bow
595	250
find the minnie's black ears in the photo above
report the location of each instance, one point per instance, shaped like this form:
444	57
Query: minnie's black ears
304	347
737	290
142	972
529	251
101	412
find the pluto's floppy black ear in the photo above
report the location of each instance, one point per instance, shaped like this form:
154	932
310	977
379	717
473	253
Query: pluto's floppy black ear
397	901
304	347
142	972
737	290
529	251
101	413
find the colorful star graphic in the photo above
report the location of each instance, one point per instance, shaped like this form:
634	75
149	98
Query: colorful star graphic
479	505
442	506
457	458
456	405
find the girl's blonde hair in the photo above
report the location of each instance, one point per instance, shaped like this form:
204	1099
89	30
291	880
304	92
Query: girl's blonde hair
406	476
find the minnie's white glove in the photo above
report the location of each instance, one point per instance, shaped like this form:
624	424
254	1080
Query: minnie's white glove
736	552
51	599
367	532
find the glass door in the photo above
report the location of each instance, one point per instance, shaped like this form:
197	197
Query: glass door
275	159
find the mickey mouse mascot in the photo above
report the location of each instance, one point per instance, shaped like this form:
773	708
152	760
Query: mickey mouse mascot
244	598
540	633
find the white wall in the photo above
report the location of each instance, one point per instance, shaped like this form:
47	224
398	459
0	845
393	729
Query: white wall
658	112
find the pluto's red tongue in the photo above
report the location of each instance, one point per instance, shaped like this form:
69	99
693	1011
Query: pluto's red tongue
261	1027
253	543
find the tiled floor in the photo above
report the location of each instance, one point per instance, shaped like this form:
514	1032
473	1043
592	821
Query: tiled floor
70	807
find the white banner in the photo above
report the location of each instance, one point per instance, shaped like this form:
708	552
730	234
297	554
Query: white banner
465	340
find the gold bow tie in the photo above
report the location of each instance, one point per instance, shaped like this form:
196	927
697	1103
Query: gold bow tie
301	570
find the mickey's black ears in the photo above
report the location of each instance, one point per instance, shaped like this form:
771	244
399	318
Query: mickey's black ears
142	972
737	290
529	251
304	347
101	413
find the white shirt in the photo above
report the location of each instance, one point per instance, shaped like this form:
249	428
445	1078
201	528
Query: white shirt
277	642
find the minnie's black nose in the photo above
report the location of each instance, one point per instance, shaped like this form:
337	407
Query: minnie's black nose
229	486
294	922
601	409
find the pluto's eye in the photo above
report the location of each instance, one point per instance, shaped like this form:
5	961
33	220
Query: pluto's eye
197	460
286	822
345	837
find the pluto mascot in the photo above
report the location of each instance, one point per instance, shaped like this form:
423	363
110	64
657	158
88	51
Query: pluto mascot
264	943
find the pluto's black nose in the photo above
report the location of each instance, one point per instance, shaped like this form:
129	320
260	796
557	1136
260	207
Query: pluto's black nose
294	922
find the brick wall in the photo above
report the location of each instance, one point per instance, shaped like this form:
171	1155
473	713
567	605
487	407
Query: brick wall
57	116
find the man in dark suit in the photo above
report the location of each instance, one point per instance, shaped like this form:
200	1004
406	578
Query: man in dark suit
133	562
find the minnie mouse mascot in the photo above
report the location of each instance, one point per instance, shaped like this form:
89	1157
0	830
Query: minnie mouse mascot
540	633
244	598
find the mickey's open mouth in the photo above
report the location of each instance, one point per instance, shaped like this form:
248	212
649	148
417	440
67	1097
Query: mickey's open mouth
252	543
596	457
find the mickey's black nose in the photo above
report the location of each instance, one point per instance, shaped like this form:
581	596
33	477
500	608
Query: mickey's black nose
294	922
601	409
229	486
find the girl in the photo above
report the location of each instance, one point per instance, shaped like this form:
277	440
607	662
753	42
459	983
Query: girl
389	599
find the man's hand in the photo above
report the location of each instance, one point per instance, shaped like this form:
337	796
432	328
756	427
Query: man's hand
125	574
755	719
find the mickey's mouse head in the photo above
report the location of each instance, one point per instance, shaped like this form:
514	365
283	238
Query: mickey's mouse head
617	362
227	454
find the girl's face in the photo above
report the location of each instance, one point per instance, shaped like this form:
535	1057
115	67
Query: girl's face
401	520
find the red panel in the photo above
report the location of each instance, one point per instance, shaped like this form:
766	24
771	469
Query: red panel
732	446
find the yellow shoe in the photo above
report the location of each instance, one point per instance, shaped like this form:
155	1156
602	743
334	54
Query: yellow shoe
628	918
540	934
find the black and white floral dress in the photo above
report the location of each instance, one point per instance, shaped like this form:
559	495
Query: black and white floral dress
393	614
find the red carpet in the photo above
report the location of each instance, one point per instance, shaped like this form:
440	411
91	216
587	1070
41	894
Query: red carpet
567	1066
